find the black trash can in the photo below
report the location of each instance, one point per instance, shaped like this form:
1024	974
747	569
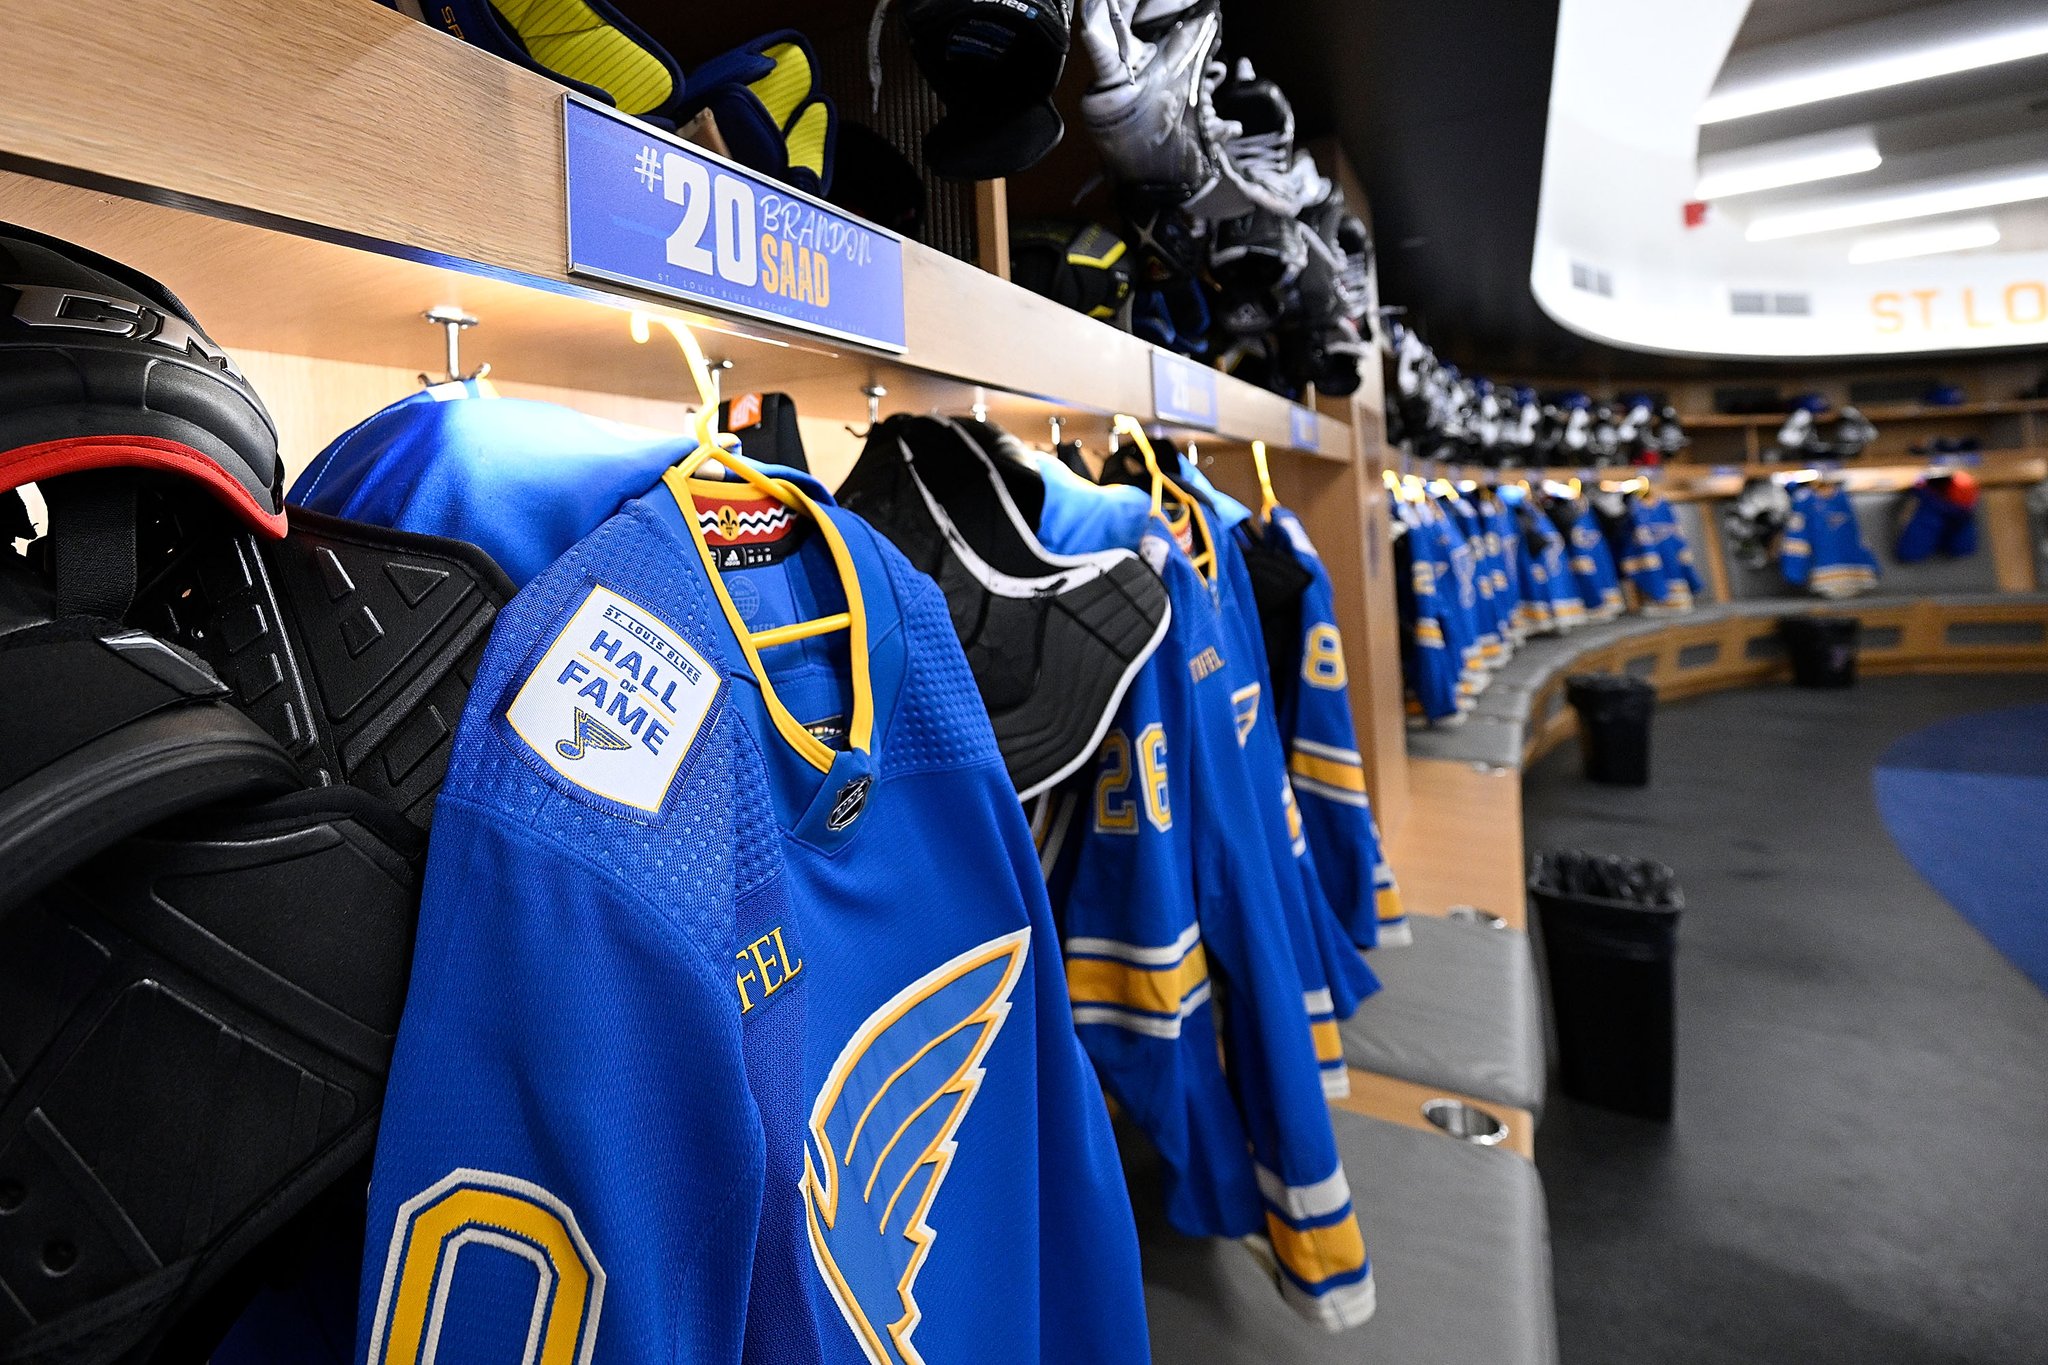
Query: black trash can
1610	944
1822	649
1614	726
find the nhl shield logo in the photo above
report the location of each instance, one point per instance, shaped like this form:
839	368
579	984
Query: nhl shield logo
847	806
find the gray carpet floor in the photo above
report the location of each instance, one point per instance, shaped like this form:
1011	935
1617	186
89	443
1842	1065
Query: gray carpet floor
1858	1169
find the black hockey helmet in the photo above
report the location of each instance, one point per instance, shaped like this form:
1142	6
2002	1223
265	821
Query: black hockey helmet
101	367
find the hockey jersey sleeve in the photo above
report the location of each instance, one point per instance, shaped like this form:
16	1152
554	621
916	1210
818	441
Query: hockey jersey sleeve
1269	1047
1164	891
1643	564
1123	880
1326	770
1795	550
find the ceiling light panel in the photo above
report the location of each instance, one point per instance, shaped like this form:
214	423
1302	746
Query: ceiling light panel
1792	161
1916	45
1930	198
1936	240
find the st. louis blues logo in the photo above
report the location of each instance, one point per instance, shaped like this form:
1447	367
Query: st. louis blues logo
590	733
1246	702
883	1137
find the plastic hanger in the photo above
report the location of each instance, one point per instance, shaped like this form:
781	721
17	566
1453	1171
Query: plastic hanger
1205	558
716	447
1267	501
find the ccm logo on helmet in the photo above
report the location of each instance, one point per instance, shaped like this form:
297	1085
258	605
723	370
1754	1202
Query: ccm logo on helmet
43	305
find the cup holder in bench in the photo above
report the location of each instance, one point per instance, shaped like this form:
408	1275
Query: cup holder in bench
1472	914
1465	1121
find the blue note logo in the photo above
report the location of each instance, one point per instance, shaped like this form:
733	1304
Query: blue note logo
590	734
884	1134
627	691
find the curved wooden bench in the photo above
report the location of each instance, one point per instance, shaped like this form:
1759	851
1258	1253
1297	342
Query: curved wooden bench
1523	715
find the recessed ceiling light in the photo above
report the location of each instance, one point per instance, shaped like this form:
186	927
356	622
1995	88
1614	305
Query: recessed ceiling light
1958	195
1924	241
1793	161
1935	41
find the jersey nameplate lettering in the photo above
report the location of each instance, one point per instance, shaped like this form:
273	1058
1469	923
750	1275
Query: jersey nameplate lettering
615	703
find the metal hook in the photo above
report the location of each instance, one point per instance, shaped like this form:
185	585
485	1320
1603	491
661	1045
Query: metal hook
1058	429
454	322
717	368
874	393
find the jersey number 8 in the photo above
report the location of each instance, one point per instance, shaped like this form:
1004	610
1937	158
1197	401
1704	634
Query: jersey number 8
1322	661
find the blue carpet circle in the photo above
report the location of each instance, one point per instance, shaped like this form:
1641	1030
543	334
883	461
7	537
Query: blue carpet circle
1966	801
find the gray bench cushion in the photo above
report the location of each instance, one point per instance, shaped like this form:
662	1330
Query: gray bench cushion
1498	726
1460	1248
1458	1008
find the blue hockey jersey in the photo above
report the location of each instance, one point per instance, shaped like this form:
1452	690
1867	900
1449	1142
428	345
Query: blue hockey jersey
1323	761
1435	661
1592	565
521	480
1337	978
734	1035
1823	548
1657	560
1159	885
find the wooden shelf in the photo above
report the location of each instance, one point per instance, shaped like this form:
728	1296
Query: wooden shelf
312	187
1878	413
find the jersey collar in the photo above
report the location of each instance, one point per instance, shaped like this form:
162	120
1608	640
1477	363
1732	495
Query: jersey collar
860	731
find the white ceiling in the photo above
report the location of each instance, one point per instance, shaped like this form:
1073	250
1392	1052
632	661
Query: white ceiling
1623	155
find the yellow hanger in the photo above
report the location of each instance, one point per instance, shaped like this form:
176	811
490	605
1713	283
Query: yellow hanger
1267	502
712	448
1204	559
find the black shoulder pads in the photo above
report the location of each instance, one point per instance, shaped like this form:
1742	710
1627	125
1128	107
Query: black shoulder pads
353	645
1053	640
104	730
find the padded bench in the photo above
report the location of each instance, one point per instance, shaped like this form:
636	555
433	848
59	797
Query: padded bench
1496	731
1457	1008
1460	1246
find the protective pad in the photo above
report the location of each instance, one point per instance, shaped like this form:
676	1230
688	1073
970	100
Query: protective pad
1278	580
1084	266
767	427
101	367
353	645
1053	640
1457	1008
770	112
200	1026
1460	1248
585	44
106	730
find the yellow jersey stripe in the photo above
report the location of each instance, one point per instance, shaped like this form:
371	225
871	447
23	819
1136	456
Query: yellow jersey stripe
1313	1255
1160	990
1329	772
